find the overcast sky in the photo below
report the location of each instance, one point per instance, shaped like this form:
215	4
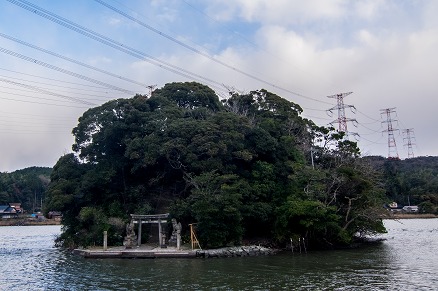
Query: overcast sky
385	52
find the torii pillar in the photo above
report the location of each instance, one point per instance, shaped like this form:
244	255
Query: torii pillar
157	218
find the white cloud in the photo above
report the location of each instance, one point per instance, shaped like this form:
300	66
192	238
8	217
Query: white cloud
369	9
280	11
114	21
367	38
383	51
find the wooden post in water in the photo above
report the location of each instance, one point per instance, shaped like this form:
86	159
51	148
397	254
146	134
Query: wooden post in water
160	239
105	240
139	232
299	243
304	245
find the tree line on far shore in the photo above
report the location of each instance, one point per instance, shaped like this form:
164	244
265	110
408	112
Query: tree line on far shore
26	186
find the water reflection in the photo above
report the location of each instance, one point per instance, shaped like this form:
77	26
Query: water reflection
406	261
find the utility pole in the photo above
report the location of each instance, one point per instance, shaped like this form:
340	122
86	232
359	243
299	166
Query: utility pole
409	132
392	146
340	107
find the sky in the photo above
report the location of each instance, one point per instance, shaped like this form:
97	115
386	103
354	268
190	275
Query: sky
60	58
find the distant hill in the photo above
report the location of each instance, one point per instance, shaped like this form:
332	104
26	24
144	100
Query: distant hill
26	186
411	181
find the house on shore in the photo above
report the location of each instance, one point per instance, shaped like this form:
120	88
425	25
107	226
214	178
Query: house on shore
410	209
17	207
396	208
56	215
7	212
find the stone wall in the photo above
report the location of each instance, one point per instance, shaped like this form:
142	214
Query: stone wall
243	251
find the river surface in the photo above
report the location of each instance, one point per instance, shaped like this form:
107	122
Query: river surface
407	260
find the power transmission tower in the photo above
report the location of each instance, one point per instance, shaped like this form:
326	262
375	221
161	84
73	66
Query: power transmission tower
151	89
392	146
409	132
340	107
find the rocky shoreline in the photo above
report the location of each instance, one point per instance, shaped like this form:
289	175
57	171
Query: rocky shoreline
151	252
242	251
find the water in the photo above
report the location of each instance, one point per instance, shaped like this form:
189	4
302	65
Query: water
407	260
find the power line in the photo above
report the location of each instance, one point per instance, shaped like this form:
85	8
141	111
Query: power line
242	36
15	131
31	124
112	43
46	65
77	100
34	97
372	130
42	103
119	46
373	142
15	121
367	116
56	80
71	60
90	35
315	117
58	90
197	51
32	116
58	86
230	30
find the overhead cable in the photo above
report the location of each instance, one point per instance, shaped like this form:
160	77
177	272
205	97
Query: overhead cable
39	90
112	43
56	80
71	60
44	64
376	120
205	54
42	103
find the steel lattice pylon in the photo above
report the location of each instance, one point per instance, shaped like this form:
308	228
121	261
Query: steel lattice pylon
340	107
392	145
409	132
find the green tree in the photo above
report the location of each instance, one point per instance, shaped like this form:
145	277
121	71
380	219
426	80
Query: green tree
26	186
239	168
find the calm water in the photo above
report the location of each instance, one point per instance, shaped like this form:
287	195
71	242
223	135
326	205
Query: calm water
407	260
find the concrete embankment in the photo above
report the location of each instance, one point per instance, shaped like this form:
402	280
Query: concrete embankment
146	252
134	254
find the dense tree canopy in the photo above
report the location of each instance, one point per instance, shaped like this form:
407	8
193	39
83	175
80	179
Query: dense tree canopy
26	186
410	182
240	169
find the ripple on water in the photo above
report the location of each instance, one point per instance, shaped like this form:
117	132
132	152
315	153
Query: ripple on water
406	261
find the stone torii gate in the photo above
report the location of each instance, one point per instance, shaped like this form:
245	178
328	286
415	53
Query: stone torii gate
155	218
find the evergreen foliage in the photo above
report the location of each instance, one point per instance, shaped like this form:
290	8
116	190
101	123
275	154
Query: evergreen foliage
239	168
410	182
26	186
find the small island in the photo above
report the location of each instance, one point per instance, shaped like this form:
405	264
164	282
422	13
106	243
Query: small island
247	170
